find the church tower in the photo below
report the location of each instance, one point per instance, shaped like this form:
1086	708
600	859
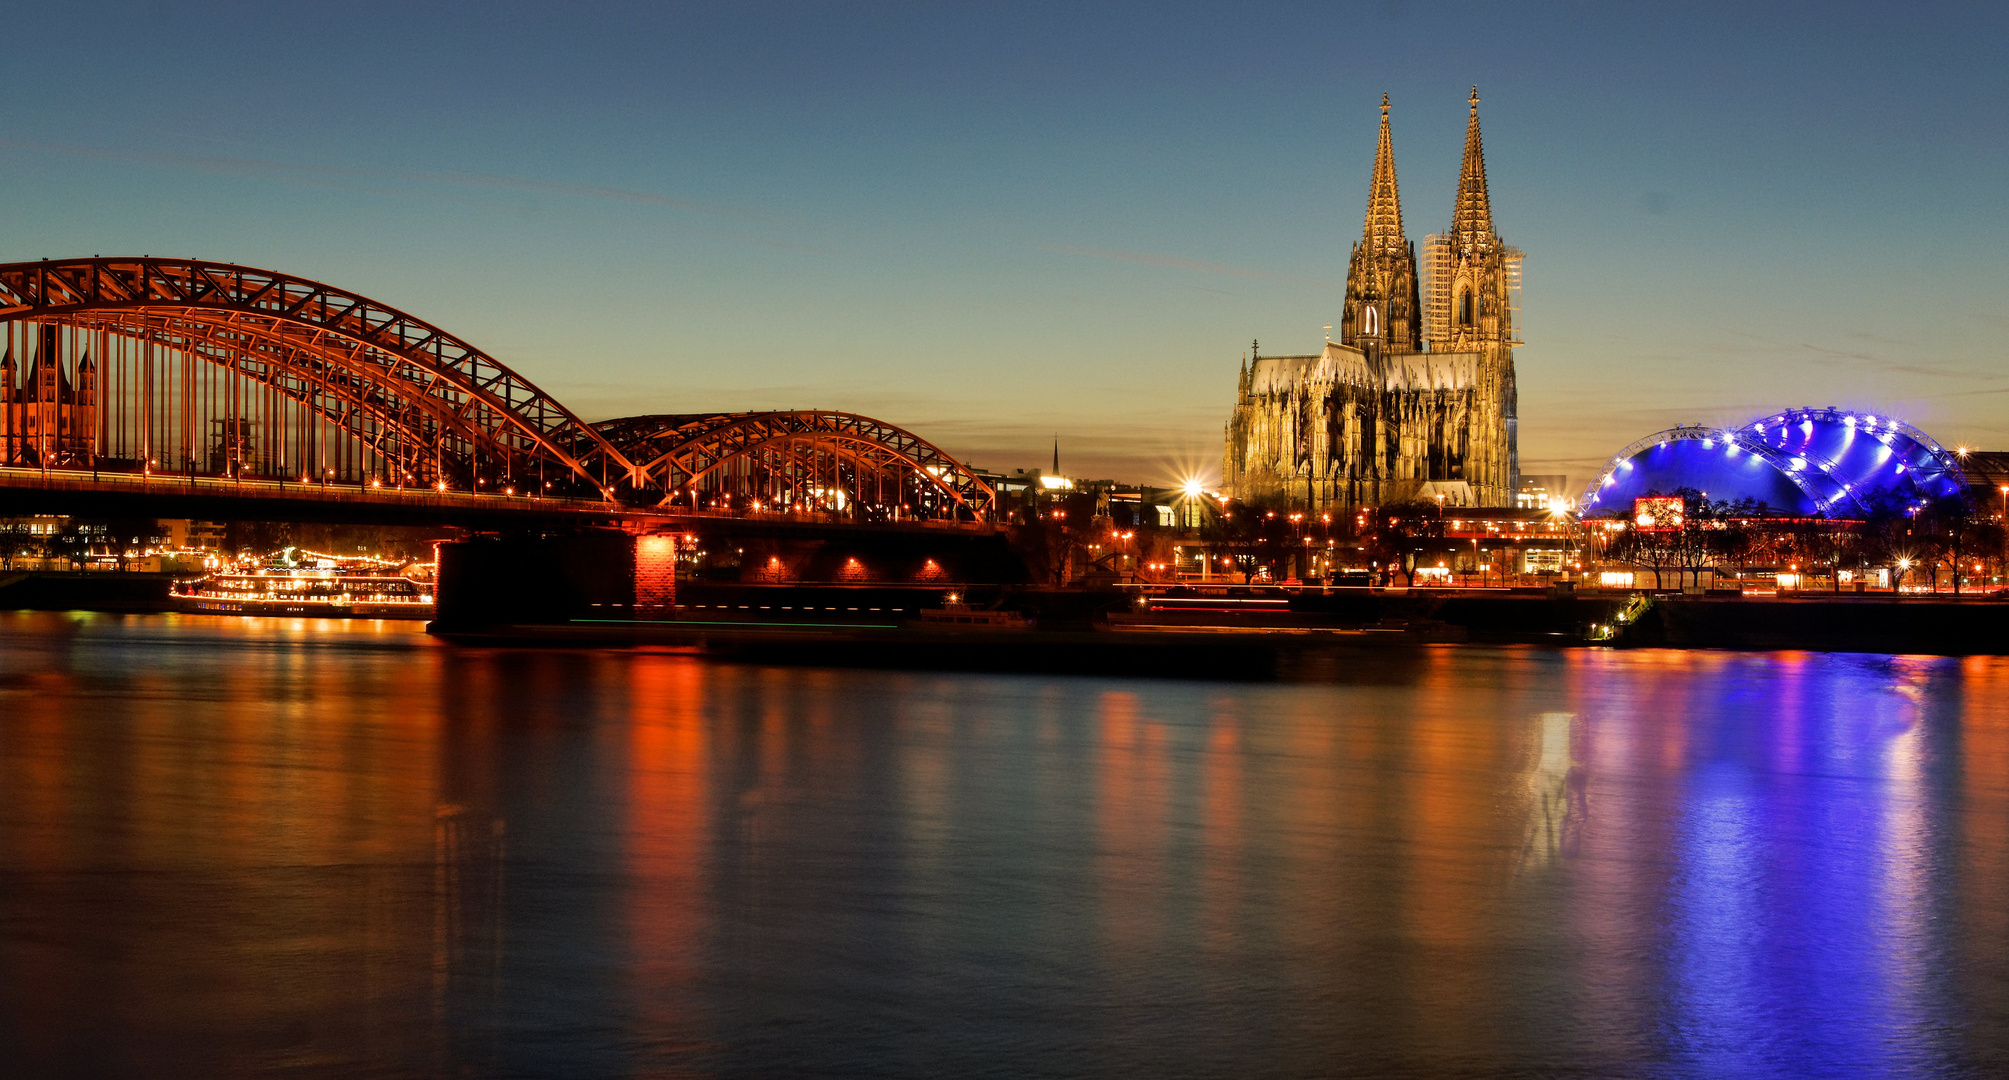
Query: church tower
1382	312
9	409
1474	281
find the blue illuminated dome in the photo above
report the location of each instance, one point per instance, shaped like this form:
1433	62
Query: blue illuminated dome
1802	461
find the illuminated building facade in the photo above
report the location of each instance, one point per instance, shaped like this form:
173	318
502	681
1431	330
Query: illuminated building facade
1829	462
47	417
1415	401
1541	491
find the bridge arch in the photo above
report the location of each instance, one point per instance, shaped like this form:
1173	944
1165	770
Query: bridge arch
833	461
176	365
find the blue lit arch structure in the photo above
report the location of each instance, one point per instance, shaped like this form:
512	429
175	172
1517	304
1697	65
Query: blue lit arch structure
1859	453
1801	461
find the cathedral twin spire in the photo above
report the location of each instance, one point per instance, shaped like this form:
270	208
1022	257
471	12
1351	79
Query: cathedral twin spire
1471	215
1458	294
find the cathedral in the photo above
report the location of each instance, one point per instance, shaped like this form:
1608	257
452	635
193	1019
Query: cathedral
1415	400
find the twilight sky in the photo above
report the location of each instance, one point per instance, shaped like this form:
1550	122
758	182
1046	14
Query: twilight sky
995	224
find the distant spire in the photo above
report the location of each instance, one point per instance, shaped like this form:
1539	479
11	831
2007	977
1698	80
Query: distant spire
1472	214
1056	455
1383	232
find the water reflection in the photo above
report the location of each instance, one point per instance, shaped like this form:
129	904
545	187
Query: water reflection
244	845
1555	794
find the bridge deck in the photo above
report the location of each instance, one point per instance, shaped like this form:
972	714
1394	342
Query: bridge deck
81	492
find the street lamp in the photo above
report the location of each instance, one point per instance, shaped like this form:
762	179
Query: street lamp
2004	519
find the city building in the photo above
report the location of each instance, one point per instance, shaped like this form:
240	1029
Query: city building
1415	401
59	542
1493	544
1541	491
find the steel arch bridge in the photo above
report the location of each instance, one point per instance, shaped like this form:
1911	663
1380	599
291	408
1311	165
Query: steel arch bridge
182	367
832	461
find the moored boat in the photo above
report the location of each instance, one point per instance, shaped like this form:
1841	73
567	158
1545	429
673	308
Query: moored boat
318	593
962	616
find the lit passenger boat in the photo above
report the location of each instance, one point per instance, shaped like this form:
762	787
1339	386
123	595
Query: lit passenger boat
318	593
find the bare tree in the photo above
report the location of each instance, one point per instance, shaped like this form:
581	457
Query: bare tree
1821	541
1956	533
13	539
66	543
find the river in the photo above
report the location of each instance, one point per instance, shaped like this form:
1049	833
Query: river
287	847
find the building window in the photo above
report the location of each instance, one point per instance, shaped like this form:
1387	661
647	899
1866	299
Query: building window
1465	307
1369	323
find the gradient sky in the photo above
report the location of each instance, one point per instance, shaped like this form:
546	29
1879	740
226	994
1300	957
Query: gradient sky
995	224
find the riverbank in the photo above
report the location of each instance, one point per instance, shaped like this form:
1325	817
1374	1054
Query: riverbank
129	592
1267	636
1240	633
1870	623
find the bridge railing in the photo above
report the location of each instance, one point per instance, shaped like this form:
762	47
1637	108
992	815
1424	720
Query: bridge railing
824	517
254	490
261	488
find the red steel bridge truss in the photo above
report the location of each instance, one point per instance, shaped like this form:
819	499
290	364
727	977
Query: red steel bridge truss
176	367
807	460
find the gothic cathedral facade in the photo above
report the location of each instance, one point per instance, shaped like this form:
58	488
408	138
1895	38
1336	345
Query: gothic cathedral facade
1415	400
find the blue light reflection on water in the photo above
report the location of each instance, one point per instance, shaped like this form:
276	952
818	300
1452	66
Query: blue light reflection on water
332	849
1803	925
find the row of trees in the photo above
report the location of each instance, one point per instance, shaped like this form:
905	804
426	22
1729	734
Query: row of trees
1907	538
1938	541
1259	536
1064	536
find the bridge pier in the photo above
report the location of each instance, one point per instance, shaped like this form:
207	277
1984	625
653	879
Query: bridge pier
552	577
